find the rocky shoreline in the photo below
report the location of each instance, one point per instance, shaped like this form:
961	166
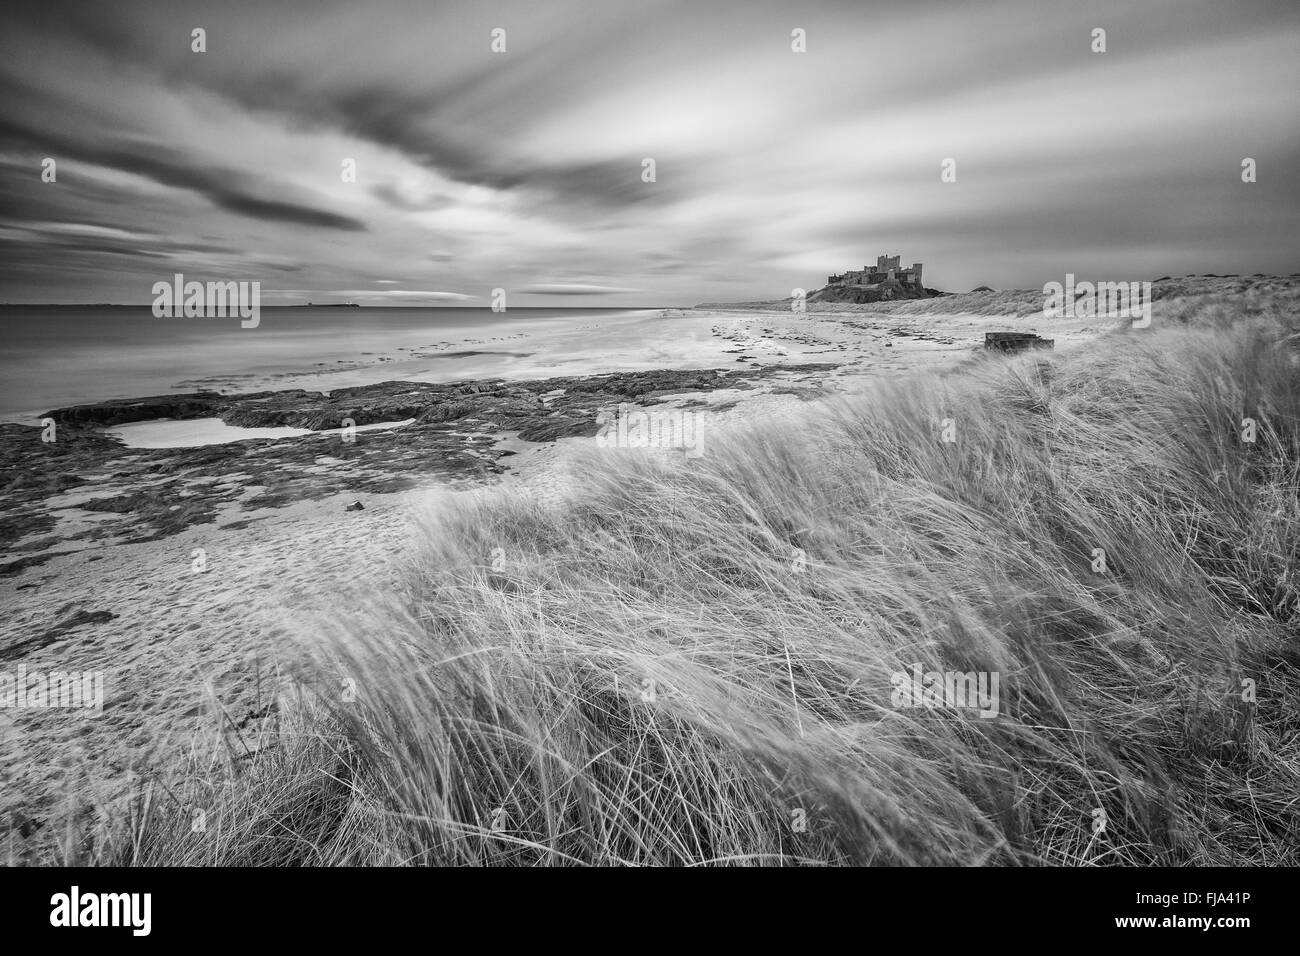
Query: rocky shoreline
449	432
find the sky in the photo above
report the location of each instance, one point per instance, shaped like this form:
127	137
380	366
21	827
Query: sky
524	169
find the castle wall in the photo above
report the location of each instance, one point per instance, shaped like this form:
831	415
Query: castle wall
887	269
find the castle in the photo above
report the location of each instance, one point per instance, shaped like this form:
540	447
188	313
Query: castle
887	273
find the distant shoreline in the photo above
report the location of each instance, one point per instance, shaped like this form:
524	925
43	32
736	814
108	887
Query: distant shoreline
330	305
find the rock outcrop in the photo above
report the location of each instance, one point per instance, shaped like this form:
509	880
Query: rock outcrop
143	494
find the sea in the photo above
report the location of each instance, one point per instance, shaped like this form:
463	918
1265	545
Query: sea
55	356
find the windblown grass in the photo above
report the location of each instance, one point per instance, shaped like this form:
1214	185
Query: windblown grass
1010	302
689	661
1231	292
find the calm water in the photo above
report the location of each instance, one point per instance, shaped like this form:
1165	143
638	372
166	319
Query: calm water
63	355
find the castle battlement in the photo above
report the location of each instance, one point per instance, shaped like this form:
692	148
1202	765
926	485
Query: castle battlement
886	271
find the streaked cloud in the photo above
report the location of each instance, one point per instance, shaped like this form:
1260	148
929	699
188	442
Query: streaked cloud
523	170
574	288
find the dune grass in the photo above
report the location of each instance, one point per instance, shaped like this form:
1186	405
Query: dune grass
689	661
1234	292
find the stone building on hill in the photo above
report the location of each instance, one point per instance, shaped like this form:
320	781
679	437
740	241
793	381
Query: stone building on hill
886	272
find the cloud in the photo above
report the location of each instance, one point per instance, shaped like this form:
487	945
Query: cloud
566	288
222	187
773	168
400	295
392	196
